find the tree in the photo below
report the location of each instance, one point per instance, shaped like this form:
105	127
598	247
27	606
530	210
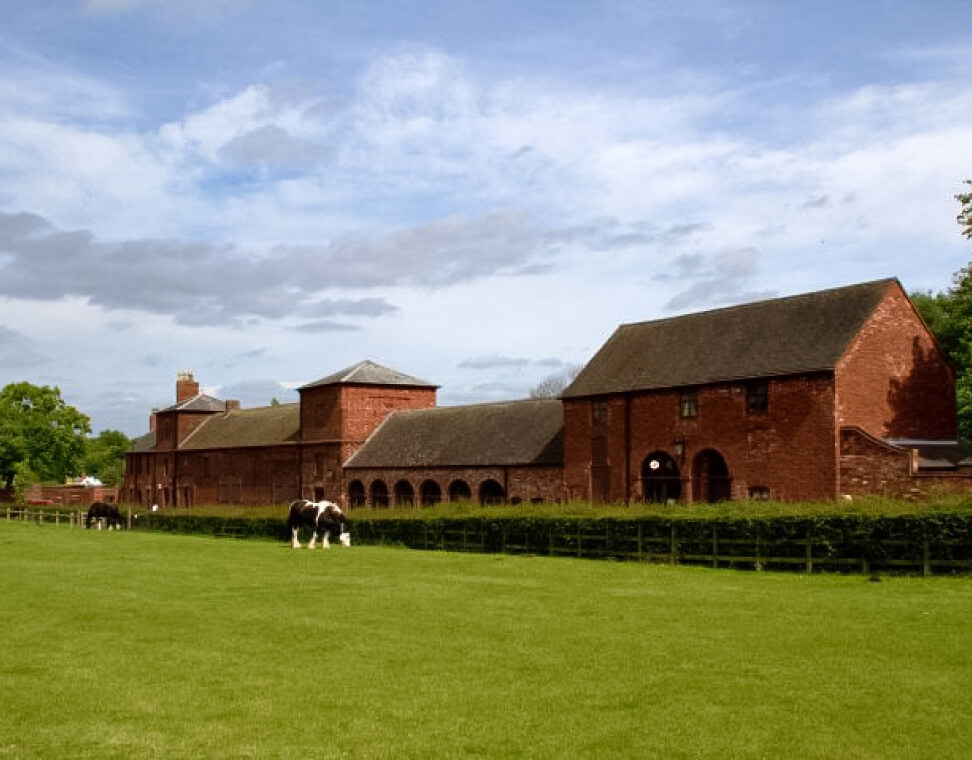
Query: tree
104	456
39	434
965	215
949	317
555	384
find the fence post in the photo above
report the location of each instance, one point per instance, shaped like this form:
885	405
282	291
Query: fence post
809	550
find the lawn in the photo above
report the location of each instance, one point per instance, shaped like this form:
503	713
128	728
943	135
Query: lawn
152	645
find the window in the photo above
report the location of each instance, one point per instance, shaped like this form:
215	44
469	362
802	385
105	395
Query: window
599	413
757	397
689	404
759	493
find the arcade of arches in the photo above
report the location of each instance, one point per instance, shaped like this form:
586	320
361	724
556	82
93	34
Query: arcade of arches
489	492
662	480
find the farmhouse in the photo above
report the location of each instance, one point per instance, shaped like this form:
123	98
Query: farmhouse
841	391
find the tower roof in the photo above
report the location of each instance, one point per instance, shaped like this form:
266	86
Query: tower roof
369	373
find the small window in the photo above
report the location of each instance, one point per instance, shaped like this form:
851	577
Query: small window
759	493
689	404
757	398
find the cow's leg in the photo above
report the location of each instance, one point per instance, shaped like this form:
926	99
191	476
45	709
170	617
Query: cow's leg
294	542
313	541
324	542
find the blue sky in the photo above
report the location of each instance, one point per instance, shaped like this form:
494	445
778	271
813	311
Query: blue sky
476	194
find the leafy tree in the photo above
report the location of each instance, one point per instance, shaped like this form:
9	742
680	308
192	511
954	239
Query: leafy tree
39	434
104	456
965	215
949	316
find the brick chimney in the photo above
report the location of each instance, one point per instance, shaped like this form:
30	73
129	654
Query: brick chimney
152	420
186	386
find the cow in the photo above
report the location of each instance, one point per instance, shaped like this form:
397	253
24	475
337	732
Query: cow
103	512
325	516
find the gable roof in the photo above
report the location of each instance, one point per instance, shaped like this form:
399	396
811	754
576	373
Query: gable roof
526	432
369	373
261	426
783	336
198	403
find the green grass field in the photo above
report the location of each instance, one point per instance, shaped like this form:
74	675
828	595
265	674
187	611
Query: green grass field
121	645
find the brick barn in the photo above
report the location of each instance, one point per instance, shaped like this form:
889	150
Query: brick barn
841	391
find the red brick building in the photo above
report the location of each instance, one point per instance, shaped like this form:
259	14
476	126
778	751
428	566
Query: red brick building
842	391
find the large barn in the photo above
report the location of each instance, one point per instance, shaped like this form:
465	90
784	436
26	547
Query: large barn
814	396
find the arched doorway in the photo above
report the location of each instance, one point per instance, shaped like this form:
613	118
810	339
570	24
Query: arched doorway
356	494
661	480
491	492
379	494
459	491
404	494
710	477
430	493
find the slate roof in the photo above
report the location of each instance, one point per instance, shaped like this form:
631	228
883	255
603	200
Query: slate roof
783	336
508	433
144	443
261	426
368	373
198	403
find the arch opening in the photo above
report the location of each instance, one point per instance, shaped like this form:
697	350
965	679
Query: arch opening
491	492
661	480
710	477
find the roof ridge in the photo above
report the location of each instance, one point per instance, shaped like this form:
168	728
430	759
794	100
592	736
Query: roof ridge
761	302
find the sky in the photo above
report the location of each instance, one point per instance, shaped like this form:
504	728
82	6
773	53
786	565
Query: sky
473	193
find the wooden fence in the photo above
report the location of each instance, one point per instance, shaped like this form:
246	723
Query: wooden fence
916	546
70	517
678	543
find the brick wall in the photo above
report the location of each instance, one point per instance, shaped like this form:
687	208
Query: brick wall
893	381
791	449
352	412
870	466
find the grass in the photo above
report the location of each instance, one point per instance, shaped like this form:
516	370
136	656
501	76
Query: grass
118	645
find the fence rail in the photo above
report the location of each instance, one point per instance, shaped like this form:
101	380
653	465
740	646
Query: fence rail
914	545
697	546
71	517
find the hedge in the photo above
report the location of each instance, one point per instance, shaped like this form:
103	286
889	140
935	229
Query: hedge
940	542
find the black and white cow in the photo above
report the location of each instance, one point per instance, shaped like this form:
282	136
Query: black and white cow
317	515
99	511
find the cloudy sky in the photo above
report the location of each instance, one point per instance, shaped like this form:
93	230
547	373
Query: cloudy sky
473	193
